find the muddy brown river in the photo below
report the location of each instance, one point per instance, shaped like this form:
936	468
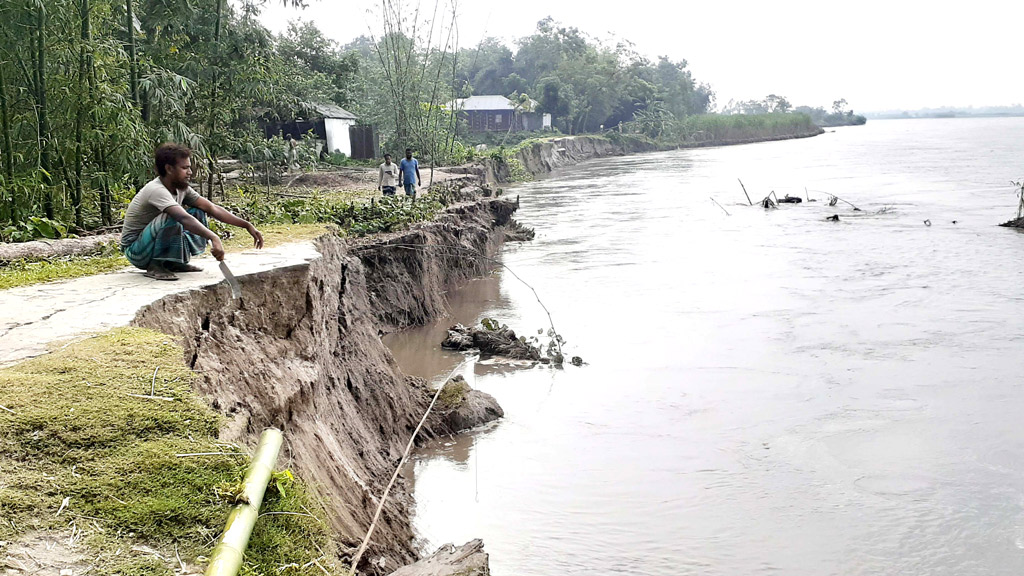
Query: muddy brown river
765	392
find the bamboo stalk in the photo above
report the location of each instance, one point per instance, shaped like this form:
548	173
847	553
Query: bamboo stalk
133	60
401	462
745	192
720	206
226	559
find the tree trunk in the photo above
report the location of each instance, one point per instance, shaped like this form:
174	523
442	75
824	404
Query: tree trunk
83	102
133	60
44	124
105	200
209	183
212	121
11	211
99	151
38	250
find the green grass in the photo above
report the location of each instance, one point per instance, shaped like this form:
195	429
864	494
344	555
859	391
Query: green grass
741	127
75	432
22	273
453	394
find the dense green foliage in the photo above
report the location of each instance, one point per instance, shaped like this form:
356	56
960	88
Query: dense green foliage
84	97
89	87
839	116
827	119
582	83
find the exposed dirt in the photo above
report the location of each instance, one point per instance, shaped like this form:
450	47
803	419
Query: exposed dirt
342	178
302	351
517	232
358	178
39	553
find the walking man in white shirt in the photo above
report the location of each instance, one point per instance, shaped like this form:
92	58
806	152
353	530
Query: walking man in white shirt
387	179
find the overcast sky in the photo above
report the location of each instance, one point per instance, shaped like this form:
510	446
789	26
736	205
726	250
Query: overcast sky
877	54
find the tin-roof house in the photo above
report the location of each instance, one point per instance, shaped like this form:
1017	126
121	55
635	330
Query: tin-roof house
333	125
498	113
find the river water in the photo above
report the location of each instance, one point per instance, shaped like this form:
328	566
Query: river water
765	392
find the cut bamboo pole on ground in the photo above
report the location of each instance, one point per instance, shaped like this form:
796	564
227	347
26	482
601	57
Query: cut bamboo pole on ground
227	556
745	192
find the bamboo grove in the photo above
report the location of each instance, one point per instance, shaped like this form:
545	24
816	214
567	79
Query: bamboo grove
87	87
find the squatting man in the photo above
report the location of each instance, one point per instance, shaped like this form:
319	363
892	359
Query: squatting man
165	224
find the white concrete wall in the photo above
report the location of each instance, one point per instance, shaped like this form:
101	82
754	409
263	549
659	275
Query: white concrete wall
337	135
547	120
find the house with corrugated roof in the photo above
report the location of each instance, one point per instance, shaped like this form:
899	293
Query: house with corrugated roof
333	126
498	113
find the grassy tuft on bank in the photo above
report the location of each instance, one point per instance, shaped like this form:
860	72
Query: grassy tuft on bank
744	127
72	433
713	129
24	273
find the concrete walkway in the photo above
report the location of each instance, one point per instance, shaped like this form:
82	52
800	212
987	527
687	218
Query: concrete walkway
33	318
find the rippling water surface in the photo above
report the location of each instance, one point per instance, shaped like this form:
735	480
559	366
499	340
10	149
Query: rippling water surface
766	392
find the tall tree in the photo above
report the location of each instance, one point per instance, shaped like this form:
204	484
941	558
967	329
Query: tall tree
5	126
133	59
43	121
9	208
84	103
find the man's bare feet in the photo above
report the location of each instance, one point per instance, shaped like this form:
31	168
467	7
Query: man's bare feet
176	267
158	272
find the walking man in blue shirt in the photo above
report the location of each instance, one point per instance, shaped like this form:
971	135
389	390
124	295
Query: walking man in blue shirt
409	172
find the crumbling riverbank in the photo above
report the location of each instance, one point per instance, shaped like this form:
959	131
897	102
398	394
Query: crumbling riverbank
301	351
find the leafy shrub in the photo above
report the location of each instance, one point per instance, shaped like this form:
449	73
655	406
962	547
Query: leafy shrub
32	228
337	159
389	214
386	214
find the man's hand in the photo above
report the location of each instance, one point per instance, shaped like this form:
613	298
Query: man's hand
257	237
217	248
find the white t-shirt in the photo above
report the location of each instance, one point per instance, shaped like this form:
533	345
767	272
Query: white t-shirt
388	175
149	203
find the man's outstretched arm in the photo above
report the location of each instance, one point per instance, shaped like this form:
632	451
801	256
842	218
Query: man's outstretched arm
226	217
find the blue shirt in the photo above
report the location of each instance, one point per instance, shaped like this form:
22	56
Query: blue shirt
408	168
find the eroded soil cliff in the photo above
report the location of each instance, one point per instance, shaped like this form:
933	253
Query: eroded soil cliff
301	350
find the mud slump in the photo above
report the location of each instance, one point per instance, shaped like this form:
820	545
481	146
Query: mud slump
302	351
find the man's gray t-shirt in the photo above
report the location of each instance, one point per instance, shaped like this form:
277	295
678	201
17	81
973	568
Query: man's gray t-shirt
149	203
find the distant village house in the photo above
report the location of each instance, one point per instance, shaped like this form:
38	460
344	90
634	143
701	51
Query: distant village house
498	113
334	127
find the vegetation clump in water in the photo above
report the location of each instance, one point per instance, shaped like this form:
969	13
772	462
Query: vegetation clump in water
491	337
454	393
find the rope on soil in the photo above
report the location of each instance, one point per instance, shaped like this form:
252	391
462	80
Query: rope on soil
481	256
401	463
